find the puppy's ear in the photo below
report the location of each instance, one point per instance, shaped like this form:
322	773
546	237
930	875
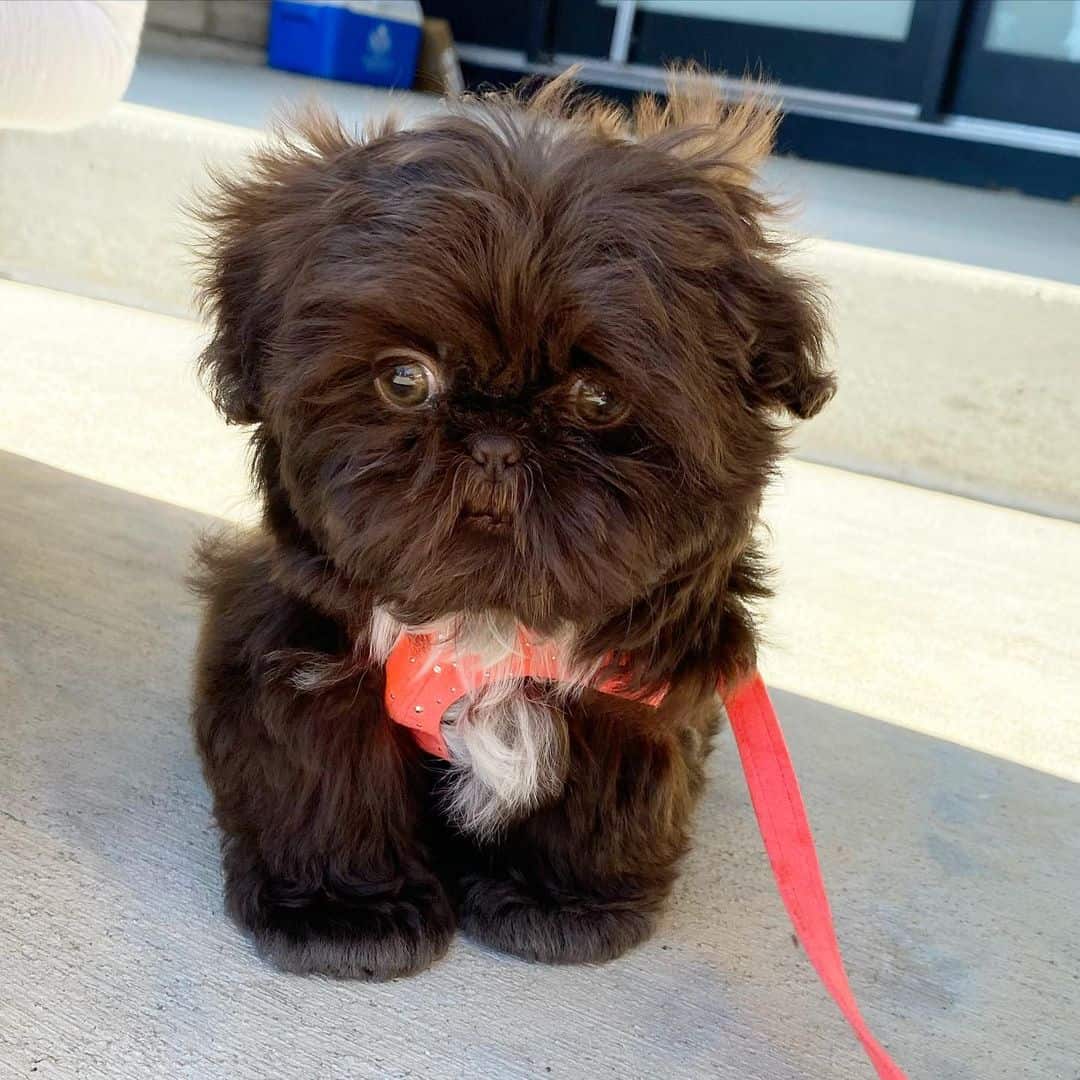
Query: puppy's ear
786	359
256	227
775	311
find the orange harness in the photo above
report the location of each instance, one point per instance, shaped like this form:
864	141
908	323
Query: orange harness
423	680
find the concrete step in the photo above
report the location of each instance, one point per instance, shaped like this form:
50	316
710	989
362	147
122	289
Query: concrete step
913	606
923	649
953	377
1001	230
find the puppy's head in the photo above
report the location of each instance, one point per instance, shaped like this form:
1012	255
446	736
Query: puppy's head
523	357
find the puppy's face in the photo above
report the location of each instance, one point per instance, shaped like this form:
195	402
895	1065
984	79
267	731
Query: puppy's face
512	361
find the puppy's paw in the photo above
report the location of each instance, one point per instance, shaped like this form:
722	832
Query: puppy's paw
502	914
350	935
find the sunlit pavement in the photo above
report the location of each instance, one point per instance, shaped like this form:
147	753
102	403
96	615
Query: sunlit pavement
923	649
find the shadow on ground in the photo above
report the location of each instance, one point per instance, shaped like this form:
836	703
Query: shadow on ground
953	875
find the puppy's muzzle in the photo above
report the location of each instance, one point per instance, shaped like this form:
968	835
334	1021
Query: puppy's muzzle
496	480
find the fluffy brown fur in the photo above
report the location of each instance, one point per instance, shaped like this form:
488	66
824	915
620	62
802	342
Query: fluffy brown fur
519	247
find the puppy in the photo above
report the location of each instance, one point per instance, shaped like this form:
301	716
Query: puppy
523	368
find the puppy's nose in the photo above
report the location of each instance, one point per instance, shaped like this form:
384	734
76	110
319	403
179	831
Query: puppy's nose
496	453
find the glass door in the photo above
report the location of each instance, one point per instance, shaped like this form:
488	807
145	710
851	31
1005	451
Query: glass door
1021	62
872	48
973	91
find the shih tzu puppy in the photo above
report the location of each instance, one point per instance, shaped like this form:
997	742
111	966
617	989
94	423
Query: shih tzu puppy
516	379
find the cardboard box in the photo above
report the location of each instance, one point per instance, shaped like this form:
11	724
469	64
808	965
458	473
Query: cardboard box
439	70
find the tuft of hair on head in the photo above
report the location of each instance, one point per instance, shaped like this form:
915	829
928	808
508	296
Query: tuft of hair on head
313	128
728	139
697	120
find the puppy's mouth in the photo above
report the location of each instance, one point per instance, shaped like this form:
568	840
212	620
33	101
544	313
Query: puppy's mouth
490	507
484	511
485	521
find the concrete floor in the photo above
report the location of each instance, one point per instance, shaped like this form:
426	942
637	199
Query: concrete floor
995	229
923	648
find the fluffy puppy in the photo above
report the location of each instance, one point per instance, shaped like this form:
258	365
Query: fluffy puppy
522	367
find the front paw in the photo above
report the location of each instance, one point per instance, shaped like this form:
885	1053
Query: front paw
350	933
506	915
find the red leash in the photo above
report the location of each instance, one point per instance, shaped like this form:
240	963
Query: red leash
423	679
785	829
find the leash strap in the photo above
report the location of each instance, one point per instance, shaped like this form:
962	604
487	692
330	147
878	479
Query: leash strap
423	679
785	829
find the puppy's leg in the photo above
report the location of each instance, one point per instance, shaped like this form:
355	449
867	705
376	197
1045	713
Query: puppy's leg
584	878
318	797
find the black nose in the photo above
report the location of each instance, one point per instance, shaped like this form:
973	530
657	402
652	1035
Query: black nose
496	453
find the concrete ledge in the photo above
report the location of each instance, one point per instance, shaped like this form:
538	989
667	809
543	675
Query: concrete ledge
98	211
109	393
921	609
952	377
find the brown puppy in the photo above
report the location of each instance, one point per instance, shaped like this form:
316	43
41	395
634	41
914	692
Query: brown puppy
524	365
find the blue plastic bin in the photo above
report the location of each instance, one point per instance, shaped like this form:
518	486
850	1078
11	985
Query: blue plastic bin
342	41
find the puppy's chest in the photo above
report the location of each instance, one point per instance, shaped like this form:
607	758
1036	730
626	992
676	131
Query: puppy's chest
505	736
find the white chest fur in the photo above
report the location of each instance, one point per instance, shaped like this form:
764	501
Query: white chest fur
508	741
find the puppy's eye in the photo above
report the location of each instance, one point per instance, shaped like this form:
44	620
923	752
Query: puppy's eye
596	405
407	385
